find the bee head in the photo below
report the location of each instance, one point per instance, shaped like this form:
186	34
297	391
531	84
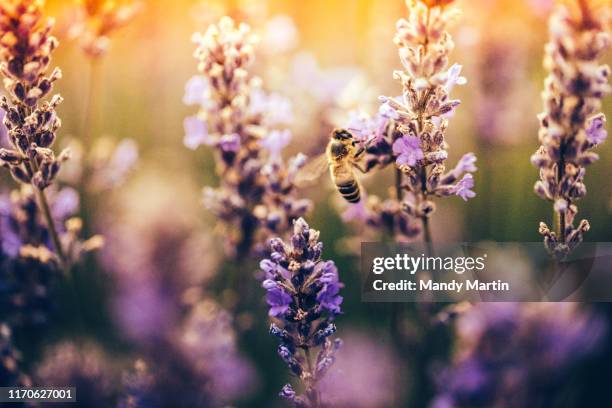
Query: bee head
343	135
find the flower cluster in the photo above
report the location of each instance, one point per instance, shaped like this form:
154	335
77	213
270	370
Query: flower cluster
257	193
84	366
25	52
28	265
303	295
95	20
201	367
514	354
26	46
409	130
571	127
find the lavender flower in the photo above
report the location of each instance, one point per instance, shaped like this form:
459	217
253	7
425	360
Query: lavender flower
363	375
94	21
418	132
303	295
199	367
570	126
409	131
28	266
85	367
257	196
154	259
31	120
513	354
138	386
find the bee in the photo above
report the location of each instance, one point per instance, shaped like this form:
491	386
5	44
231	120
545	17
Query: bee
341	157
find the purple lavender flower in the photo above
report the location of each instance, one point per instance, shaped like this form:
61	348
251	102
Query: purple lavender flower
363	375
30	112
408	151
513	354
28	266
197	91
569	131
303	295
278	300
257	196
275	142
196	133
409	131
83	366
463	188
596	132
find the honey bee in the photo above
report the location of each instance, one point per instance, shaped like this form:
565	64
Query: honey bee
341	157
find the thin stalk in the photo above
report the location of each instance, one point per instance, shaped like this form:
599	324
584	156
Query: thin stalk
312	392
397	310
560	216
44	206
91	106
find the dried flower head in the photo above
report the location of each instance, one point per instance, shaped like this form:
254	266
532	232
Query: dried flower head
94	21
303	295
571	125
257	195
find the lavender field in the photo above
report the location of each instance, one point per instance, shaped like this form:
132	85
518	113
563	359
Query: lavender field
185	188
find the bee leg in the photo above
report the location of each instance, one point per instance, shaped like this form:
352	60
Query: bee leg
360	168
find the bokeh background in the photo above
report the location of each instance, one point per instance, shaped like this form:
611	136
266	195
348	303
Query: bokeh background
329	57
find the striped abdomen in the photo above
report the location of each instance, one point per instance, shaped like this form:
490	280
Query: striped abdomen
349	190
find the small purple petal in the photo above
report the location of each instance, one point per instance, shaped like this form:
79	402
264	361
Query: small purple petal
463	188
276	141
196	133
408	150
596	132
196	91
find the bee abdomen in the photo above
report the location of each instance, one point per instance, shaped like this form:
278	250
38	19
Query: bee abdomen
350	191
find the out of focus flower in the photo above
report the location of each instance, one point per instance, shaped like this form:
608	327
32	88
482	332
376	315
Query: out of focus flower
197	365
154	258
28	266
303	295
257	196
85	367
10	360
208	342
280	35
504	92
363	375
514	354
571	125
94	21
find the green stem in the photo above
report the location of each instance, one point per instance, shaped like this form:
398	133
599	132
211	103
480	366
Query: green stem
44	206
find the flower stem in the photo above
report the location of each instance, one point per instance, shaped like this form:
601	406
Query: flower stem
44	206
312	392
91	106
560	215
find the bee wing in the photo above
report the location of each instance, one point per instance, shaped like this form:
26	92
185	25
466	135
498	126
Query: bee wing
314	169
